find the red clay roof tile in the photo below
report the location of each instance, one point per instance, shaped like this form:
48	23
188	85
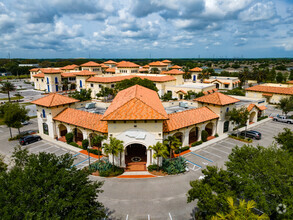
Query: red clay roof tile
187	118
271	89
91	121
136	103
54	99
217	98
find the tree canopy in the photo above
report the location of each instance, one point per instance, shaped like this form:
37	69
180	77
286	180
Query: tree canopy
13	114
285	139
46	186
7	87
253	173
126	83
83	95
286	105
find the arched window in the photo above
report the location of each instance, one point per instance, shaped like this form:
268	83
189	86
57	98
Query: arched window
80	83
43	113
226	126
56	80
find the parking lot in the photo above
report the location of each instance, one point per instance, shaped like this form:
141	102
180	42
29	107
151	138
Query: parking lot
80	160
217	153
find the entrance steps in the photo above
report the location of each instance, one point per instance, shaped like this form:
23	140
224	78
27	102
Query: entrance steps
136	166
136	174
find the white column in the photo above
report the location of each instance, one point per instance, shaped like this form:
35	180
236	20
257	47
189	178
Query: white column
185	138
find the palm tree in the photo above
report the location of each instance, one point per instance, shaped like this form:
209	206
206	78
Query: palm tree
97	141
173	143
242	211
8	87
114	147
160	151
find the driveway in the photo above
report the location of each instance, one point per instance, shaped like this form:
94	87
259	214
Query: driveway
165	197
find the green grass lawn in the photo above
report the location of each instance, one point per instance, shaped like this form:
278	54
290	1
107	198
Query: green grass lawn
12	98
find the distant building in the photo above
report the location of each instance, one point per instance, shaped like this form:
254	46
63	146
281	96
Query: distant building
29	65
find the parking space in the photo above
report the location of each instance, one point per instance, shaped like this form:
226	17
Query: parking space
217	153
80	160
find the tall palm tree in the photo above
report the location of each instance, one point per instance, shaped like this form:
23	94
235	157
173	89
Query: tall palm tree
242	211
114	147
160	151
8	87
173	144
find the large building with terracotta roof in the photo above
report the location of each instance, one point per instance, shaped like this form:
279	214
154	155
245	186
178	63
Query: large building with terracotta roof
138	117
272	92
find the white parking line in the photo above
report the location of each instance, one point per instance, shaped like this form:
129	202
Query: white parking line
38	146
170	216
211	153
220	150
64	152
149	217
43	150
226	147
55	150
126	217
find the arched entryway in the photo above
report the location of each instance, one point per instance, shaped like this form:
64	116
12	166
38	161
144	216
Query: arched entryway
62	130
252	117
193	135
135	157
217	85
78	136
209	128
179	136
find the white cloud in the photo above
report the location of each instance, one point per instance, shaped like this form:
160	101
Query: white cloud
259	11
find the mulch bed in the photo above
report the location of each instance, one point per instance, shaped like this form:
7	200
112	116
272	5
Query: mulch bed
158	173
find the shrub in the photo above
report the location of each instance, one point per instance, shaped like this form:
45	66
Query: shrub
261	118
69	137
95	151
106	169
85	144
181	149
241	138
196	143
216	135
204	135
174	166
74	144
153	167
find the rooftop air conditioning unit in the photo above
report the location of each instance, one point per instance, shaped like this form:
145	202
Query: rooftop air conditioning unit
90	105
183	104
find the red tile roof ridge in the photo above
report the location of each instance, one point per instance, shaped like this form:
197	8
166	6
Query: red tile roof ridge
217	98
140	94
90	64
49	100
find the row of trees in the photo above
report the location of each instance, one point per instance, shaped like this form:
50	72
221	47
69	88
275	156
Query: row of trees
252	173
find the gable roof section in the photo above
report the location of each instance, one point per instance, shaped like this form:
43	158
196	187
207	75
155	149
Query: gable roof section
34	70
136	103
187	118
126	64
250	107
90	64
113	79
110	70
67	74
82	119
196	69
110	62
51	71
69	67
84	73
271	89
174	72
54	99
176	67
39	75
158	63
166	61
217	98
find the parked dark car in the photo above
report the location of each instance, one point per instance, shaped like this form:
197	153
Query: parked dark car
251	134
29	139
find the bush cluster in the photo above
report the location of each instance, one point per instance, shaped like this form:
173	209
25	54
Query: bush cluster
95	151
196	143
153	167
174	166
241	138
182	149
106	169
74	144
69	138
261	118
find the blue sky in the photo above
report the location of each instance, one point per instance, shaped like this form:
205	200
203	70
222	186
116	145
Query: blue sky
146	28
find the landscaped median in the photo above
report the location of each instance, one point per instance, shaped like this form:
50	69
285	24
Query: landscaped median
241	138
